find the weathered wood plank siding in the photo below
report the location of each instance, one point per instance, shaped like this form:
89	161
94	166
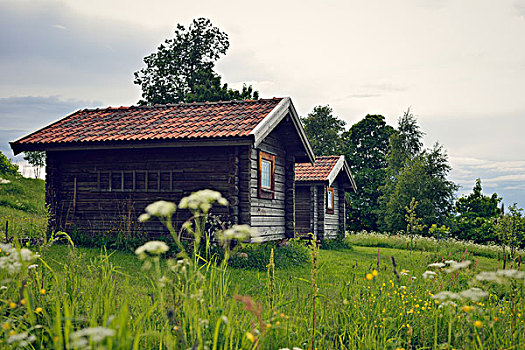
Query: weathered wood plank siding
342	208
114	186
321	209
268	215
331	221
303	209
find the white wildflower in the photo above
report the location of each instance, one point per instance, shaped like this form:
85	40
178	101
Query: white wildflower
450	262
13	259
474	294
438	264
80	339
488	276
511	274
4	181
3	287
428	274
454	266
445	295
34	266
144	217
202	201
447	303
238	232
152	248
21	340
404	273
161	209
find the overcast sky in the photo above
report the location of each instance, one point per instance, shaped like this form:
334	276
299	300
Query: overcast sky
459	65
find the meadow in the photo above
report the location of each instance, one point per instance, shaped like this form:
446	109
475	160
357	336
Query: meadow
372	293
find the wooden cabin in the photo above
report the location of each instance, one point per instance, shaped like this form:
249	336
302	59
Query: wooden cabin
105	165
320	200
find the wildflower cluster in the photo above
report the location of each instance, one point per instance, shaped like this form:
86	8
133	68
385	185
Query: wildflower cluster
12	259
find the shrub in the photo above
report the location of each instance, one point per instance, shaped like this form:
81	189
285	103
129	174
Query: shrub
6	167
256	255
335	244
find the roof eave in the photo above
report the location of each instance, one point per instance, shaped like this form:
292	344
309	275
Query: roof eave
341	165
270	122
100	145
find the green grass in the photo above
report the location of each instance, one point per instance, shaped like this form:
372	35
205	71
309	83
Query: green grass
165	304
22	206
352	312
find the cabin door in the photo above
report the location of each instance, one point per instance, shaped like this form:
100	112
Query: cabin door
303	214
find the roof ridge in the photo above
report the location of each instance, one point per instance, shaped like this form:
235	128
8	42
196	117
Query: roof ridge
168	105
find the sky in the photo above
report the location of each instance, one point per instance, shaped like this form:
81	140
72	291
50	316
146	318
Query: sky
459	65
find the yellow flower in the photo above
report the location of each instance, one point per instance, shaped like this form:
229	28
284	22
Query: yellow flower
375	273
478	324
277	323
250	337
400	348
12	305
467	308
38	310
369	276
6	326
42	291
23	301
268	325
12	333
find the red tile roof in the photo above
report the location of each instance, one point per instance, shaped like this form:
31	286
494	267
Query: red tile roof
163	122
317	172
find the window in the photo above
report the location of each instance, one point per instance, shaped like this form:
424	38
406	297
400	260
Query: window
266	175
329	200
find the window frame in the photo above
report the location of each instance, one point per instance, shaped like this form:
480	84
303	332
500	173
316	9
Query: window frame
266	192
330	205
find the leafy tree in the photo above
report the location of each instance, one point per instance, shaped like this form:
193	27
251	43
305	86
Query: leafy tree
405	142
475	214
6	167
415	173
324	131
37	159
182	68
365	147
414	225
510	229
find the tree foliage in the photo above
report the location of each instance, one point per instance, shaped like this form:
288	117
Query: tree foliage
475	214
415	173
510	229
182	69
365	147
6	167
324	131
37	159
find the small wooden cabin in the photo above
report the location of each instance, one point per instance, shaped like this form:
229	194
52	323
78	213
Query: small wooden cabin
320	196
105	165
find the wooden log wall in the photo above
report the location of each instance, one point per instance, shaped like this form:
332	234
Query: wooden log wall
52	185
331	221
80	196
303	209
313	209
321	209
342	208
289	207
268	215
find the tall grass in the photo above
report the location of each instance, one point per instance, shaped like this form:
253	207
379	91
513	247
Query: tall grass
190	301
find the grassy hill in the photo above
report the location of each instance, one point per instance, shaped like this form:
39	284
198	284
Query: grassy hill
22	205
